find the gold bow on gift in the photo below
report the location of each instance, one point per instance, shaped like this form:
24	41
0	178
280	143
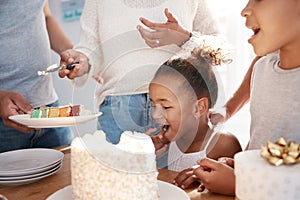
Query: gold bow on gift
281	152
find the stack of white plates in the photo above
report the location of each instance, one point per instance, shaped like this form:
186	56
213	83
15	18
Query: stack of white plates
28	165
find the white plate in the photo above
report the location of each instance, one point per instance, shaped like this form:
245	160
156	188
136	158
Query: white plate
30	172
27	161
29	180
19	177
166	191
52	122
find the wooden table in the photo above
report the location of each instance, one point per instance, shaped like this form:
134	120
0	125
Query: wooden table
45	187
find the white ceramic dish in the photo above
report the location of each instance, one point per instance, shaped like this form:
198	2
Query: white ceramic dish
52	122
20	177
167	191
29	180
30	172
28	161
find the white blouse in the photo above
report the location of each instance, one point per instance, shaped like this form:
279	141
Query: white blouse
111	41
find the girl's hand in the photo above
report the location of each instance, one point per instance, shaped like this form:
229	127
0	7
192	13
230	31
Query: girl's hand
70	56
186	178
160	141
161	34
216	176
217	116
227	161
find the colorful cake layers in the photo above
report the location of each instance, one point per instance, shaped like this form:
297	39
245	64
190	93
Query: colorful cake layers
51	112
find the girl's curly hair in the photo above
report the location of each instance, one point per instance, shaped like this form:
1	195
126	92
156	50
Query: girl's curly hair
194	62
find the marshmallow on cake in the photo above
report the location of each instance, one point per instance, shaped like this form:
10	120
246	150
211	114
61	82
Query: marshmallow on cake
101	170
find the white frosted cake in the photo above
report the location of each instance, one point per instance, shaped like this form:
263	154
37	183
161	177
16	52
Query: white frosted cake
101	170
256	179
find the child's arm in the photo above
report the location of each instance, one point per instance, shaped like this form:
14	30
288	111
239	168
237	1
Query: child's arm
223	145
238	100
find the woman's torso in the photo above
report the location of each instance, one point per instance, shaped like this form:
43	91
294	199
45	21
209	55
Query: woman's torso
25	49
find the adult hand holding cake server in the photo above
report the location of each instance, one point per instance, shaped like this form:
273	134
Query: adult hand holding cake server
55	67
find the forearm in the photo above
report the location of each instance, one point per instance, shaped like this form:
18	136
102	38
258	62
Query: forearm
58	40
242	95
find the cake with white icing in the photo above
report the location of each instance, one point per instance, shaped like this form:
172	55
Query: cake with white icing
101	170
258	179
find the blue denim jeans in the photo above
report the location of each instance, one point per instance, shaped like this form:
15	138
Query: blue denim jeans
12	139
125	113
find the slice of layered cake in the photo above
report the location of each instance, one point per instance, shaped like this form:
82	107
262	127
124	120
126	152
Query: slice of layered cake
53	112
63	111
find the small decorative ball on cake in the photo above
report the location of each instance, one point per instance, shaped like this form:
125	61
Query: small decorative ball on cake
101	170
257	178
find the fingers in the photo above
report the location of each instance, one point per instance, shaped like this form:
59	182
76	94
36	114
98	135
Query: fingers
71	74
170	16
201	174
148	23
67	57
22	105
157	143
206	166
161	151
158	140
163	139
155	26
70	56
13	104
208	163
162	136
151	38
185	178
98	77
227	161
150	131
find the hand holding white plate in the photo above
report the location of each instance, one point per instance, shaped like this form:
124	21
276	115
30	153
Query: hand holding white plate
52	122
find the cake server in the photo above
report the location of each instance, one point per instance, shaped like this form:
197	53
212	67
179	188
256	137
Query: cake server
55	67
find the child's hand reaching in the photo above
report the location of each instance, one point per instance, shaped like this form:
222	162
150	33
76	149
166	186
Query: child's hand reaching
227	161
217	116
219	178
186	178
160	141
